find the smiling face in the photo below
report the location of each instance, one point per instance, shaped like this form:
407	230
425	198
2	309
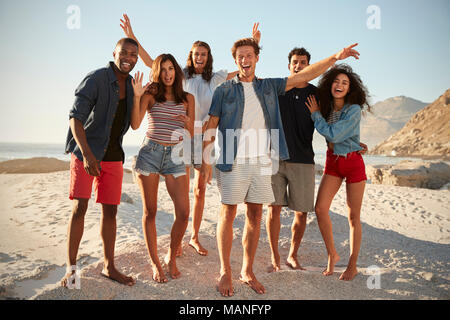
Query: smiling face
340	86
125	57
298	63
246	60
167	74
199	58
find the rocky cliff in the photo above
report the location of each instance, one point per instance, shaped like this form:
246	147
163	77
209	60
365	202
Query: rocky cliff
426	134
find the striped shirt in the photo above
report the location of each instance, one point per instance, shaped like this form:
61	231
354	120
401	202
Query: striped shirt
334	116
162	127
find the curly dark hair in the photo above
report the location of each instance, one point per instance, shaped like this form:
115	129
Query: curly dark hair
208	70
357	94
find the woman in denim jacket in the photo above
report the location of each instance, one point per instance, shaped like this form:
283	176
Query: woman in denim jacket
337	117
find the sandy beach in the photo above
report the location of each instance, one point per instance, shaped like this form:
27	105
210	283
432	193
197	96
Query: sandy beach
405	251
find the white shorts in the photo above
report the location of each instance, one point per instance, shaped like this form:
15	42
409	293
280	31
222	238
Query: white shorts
250	181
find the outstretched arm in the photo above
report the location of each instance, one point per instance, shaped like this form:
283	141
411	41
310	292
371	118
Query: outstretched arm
256	34
126	26
316	69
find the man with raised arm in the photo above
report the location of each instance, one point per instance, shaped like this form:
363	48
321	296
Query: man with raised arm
245	110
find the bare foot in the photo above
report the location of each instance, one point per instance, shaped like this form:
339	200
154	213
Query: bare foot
225	285
198	247
275	263
66	279
158	274
173	270
292	263
332	260
349	274
115	275
251	281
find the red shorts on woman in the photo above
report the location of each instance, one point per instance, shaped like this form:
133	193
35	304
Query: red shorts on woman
108	186
350	167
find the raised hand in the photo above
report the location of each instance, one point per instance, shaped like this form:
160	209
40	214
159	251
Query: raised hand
311	104
126	26
136	82
256	34
348	52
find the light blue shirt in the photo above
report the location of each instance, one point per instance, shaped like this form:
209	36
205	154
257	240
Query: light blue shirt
228	104
344	133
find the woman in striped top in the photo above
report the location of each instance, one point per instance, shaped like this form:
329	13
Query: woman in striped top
171	114
342	96
200	81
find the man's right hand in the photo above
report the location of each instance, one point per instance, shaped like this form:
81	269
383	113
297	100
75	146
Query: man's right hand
91	165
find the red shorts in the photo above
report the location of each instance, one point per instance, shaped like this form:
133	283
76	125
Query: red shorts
350	167
108	186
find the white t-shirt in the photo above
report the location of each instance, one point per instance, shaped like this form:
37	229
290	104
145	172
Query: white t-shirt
254	138
203	91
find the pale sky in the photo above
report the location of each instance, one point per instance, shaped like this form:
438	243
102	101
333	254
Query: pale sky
43	60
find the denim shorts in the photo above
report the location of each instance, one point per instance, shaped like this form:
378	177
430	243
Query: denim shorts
156	158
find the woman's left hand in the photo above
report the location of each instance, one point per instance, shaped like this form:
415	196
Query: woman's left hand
311	103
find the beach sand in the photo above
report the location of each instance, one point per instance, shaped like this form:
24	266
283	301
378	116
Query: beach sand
405	252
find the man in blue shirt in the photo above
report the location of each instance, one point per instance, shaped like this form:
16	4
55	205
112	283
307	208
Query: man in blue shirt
245	110
99	118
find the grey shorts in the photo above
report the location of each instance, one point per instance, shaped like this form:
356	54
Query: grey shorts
157	158
246	182
293	186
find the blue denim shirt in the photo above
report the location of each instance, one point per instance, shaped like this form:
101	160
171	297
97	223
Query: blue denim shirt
343	133
96	101
228	104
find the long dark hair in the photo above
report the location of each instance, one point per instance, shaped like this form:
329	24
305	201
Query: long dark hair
357	93
179	93
207	70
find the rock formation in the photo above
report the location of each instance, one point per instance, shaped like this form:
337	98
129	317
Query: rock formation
426	134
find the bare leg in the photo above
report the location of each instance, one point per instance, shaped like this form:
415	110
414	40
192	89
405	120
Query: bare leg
199	203
224	243
250	240
328	188
149	193
108	233
355	193
179	192
74	234
273	232
298	230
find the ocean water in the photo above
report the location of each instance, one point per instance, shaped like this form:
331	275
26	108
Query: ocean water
9	151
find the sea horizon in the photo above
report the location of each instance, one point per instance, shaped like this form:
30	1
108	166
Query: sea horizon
26	150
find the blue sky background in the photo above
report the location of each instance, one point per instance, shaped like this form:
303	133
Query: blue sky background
43	61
